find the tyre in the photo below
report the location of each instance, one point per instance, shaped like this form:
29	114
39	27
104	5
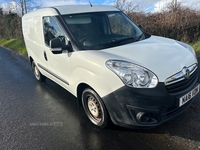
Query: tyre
37	73
95	108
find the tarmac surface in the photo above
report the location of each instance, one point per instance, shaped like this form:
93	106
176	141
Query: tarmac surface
38	116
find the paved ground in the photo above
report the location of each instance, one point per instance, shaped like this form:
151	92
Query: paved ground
45	116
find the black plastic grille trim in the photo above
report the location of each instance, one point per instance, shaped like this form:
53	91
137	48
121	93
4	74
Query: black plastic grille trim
184	84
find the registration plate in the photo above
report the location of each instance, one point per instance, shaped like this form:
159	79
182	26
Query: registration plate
184	99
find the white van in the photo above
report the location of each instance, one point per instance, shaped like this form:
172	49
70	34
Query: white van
117	72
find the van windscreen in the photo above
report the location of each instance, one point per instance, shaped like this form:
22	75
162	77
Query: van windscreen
100	30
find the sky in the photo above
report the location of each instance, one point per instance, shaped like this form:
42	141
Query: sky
146	5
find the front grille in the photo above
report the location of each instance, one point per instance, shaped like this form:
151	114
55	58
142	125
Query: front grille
183	84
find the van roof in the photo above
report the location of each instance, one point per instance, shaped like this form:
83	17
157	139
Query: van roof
69	9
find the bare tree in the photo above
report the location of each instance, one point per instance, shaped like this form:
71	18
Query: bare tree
128	6
174	6
21	7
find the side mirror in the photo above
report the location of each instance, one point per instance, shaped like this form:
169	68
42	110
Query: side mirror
56	46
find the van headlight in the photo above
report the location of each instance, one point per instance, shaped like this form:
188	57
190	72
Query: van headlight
187	47
133	75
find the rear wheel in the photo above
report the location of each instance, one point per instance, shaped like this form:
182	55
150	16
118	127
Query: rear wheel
95	108
37	73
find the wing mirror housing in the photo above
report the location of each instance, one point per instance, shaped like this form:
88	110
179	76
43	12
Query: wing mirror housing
56	46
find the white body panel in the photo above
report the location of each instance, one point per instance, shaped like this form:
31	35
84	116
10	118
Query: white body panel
70	9
162	56
34	36
89	67
73	67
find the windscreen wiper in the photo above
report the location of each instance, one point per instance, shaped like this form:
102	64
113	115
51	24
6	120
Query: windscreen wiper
140	37
117	42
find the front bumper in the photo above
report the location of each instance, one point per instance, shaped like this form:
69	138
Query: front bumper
124	105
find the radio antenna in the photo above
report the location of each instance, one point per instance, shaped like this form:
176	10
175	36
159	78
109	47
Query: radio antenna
90	3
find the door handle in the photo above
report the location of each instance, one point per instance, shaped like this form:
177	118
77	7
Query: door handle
45	56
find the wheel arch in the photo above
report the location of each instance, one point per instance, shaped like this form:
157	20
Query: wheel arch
80	88
31	59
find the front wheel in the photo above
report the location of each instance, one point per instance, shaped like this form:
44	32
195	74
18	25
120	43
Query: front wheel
37	73
95	108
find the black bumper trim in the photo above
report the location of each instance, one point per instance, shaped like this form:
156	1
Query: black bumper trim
124	103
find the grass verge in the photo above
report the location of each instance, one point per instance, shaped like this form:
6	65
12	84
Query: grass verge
196	46
17	45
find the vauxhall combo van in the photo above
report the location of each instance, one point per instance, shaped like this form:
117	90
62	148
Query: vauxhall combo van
118	73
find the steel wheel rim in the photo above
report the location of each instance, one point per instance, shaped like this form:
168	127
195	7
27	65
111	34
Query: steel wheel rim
94	108
36	71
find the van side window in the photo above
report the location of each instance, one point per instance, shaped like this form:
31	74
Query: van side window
52	30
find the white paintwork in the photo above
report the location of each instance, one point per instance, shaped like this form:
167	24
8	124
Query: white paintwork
33	36
72	9
162	56
41	12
